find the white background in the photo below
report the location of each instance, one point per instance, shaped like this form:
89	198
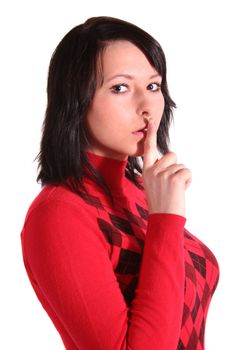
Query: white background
197	40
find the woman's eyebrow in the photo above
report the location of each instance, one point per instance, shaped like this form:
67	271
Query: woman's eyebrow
131	77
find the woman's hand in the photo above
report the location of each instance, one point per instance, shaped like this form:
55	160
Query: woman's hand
165	181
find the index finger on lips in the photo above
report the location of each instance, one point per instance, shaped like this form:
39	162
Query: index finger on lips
150	146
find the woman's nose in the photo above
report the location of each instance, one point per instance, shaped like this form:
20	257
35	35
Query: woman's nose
146	116
143	105
145	113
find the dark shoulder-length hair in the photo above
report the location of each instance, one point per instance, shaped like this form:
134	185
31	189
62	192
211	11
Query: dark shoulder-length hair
72	81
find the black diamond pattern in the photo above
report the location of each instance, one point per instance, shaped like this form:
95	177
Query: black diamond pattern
186	313
137	220
205	296
142	212
193	341
92	200
199	262
121	224
202	331
187	235
112	235
190	272
195	308
180	346
129	262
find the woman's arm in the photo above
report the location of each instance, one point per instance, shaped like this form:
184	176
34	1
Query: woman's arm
68	264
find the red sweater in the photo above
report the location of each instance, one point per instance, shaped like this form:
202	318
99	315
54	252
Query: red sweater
111	277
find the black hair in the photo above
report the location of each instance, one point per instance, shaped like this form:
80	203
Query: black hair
72	81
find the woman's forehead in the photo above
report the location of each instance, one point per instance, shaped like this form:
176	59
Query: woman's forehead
124	58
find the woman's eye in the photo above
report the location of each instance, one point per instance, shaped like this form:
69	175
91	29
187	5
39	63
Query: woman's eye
154	86
119	88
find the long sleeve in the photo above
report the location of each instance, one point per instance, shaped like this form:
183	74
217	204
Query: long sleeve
67	260
156	312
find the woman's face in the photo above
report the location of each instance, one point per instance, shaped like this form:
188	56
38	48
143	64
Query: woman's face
121	106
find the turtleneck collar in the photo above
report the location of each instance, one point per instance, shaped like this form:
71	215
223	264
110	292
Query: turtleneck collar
112	170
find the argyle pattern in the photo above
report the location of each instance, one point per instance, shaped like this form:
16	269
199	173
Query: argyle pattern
125	233
201	271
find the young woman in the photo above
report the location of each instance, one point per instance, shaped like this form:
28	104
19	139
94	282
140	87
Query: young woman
104	243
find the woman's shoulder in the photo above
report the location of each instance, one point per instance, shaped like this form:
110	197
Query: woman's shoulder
57	197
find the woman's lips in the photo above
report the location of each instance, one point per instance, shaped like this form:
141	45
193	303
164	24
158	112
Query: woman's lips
141	132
